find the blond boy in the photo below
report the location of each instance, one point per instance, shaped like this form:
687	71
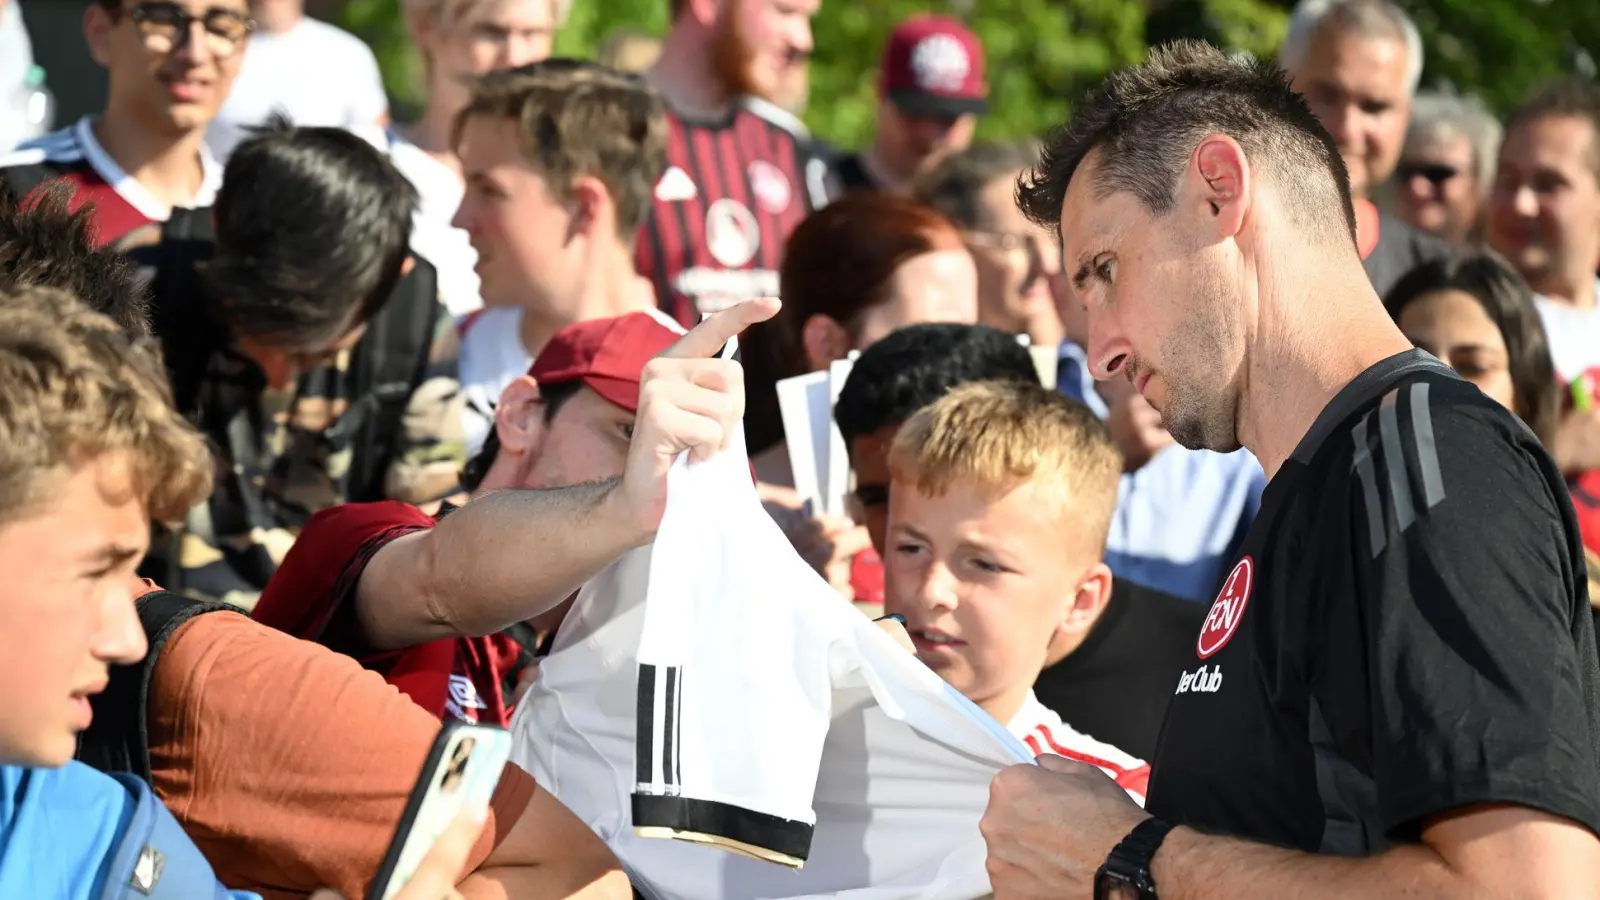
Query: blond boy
1000	499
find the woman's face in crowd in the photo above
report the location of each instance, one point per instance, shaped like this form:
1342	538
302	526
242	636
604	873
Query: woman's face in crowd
1454	326
941	286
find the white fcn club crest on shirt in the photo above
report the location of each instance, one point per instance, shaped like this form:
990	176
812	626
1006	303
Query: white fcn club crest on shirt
770	186
1228	609
732	234
940	63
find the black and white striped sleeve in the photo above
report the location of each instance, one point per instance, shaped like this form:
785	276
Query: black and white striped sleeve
1477	649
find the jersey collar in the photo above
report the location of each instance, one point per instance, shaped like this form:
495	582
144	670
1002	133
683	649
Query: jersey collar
1362	389
130	190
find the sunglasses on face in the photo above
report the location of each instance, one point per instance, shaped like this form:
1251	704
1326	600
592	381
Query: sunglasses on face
1435	173
166	26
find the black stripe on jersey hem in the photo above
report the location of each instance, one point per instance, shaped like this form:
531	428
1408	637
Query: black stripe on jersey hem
788	837
645	726
669	744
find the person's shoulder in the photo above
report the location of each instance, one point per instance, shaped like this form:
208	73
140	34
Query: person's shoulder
1156	608
369	518
58	147
776	116
331	37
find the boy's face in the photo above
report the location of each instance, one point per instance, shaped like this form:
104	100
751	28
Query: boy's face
521	228
66	608
172	60
984	584
869	458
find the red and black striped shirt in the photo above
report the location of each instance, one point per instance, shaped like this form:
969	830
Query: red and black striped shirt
733	190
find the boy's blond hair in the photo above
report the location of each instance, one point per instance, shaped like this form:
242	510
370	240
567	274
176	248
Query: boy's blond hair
78	386
1001	435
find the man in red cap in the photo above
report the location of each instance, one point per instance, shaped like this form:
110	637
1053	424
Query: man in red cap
930	94
569	421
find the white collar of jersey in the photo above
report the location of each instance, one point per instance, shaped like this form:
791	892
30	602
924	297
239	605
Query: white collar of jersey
129	189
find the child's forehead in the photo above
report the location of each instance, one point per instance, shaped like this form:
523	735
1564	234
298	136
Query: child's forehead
1016	505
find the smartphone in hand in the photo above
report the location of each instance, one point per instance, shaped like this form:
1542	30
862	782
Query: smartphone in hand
461	771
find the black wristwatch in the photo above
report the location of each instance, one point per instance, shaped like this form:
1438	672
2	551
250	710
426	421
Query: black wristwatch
1125	875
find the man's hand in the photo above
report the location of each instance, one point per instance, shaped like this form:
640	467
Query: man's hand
1577	443
1050	826
1135	425
687	401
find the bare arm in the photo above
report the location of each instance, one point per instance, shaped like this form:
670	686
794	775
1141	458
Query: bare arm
512	555
498	560
1482	852
549	852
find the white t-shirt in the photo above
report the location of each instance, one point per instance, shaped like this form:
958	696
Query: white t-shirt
316	74
717	714
1574	334
492	356
1038	726
439	193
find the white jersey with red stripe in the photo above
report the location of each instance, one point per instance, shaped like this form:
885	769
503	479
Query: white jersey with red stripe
1042	730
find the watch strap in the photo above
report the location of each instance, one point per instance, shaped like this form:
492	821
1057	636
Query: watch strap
1130	859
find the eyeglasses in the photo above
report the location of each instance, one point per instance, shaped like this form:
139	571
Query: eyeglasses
1435	173
166	26
1004	240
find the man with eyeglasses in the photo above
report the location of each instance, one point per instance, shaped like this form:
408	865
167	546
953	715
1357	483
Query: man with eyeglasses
1015	258
1447	167
170	65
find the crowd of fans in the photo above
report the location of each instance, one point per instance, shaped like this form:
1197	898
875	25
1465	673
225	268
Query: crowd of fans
317	421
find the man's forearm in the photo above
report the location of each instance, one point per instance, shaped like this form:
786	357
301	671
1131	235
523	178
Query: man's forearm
500	559
1195	866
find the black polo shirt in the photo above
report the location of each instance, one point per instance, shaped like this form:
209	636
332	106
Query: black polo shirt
1406	632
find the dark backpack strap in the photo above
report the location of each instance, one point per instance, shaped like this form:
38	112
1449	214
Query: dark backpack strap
118	738
389	363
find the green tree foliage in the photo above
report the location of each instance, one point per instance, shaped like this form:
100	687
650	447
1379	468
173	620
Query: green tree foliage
1043	54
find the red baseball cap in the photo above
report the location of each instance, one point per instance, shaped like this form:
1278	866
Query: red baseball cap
606	354
934	66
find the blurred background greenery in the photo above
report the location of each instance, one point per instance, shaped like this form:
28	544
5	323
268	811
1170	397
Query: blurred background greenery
1043	54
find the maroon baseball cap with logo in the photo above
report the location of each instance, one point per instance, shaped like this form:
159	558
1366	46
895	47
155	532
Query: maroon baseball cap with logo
934	66
608	355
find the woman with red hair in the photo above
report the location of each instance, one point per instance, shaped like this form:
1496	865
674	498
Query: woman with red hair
852	272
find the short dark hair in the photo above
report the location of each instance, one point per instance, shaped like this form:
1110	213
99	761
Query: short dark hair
1566	98
1147	119
313	227
577	118
916	365
956	185
45	244
554	396
1487	278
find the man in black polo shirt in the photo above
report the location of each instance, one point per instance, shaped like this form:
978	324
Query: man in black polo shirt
1394	693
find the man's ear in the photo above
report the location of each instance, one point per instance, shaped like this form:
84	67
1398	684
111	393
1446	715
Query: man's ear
409	264
1088	600
519	417
1220	174
592	209
824	341
97	25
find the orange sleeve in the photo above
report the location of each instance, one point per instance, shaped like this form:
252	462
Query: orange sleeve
288	764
